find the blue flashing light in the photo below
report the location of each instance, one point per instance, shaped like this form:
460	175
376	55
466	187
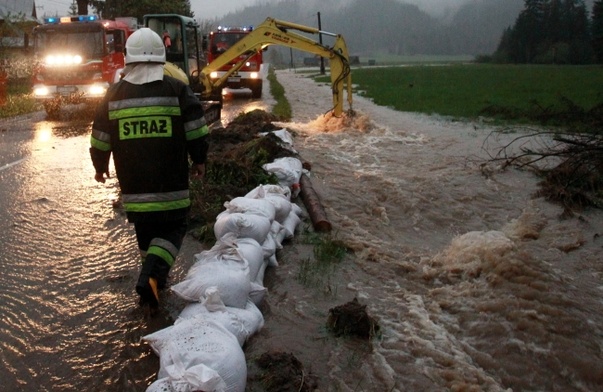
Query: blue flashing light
69	19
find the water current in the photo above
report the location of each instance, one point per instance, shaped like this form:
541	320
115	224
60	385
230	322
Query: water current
476	284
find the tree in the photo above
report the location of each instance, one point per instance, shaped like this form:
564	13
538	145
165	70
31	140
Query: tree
82	7
110	9
549	31
597	30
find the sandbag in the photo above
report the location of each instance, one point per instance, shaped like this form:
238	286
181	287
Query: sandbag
251	317
250	205
262	191
288	170
233	284
242	225
278	196
212	308
195	350
291	223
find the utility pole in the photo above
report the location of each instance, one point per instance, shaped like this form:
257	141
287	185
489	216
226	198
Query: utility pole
322	59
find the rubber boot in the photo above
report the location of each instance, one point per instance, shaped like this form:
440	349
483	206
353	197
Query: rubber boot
152	278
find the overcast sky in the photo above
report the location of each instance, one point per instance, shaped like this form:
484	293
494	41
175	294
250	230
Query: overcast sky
209	9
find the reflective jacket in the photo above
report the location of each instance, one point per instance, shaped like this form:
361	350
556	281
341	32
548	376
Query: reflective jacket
151	129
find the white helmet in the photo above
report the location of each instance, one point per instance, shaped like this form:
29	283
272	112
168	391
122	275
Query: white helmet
145	46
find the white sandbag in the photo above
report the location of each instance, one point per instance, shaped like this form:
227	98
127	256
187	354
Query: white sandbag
284	135
291	223
251	317
265	190
297	209
269	247
250	205
232	283
288	170
203	343
242	225
278	196
257	293
249	250
278	233
212	308
260	276
222	252
196	378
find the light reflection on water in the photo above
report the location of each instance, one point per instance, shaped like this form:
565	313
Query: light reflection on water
69	318
69	262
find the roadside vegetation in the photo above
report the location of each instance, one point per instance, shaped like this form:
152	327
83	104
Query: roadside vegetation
18	99
505	94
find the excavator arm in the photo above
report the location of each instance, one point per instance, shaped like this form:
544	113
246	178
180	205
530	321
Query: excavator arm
276	32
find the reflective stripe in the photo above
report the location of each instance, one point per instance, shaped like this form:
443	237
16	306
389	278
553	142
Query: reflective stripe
99	145
143	102
150	202
101	136
144	111
100	140
194	124
152	106
155	197
163	249
157	206
197	133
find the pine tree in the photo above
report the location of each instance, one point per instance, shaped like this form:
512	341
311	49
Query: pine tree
597	30
549	31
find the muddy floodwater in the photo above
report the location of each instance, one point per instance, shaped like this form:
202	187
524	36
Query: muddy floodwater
476	284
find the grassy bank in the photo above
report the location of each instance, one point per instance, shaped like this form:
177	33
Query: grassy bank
522	93
17	99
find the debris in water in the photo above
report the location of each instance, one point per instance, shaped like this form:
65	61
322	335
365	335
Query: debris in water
352	319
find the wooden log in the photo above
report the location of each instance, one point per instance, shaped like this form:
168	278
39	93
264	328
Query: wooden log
313	205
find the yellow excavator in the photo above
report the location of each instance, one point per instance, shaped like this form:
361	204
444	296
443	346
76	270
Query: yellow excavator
184	59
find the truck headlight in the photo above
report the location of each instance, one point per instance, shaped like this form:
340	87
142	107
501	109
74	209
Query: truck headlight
97	90
214	75
41	91
63	59
253	75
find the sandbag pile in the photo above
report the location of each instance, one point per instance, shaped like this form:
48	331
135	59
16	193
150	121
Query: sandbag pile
203	351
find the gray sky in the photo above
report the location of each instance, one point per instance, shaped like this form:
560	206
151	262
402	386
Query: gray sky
209	9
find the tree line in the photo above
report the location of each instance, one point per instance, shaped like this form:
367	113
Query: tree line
553	32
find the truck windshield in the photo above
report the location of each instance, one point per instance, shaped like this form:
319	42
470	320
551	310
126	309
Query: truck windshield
88	44
223	41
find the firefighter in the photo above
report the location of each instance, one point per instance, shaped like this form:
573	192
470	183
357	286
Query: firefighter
151	124
167	40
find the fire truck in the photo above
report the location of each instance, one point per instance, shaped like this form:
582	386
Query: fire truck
77	58
248	75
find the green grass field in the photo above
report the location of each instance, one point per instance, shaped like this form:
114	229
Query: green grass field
512	92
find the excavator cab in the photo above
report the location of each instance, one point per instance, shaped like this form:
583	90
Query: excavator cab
183	56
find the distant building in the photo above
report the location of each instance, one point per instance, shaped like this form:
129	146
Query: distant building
17	18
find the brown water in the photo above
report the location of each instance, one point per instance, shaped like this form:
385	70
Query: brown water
476	285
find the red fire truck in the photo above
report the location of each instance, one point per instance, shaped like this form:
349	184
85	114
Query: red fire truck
248	76
78	57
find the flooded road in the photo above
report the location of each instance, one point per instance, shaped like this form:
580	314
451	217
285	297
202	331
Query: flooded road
69	318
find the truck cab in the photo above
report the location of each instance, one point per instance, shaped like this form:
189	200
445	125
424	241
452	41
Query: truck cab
77	59
248	76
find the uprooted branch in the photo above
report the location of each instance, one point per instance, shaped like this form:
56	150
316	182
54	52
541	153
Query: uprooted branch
571	164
